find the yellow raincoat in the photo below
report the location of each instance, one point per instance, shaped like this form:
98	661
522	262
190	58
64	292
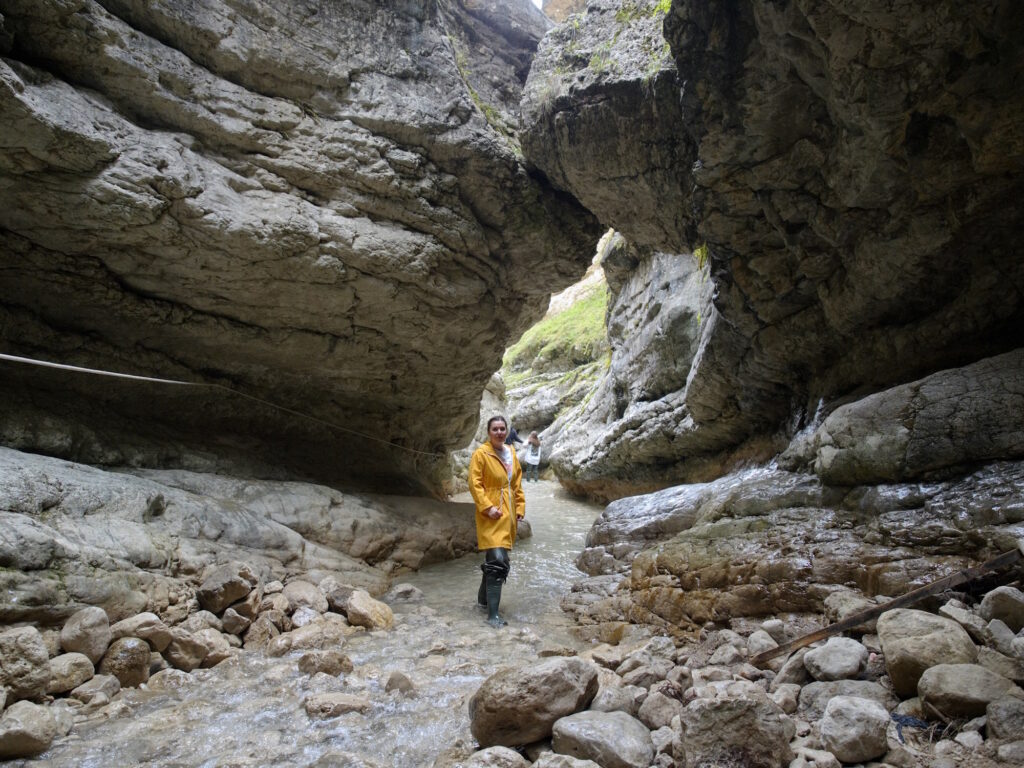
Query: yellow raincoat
490	486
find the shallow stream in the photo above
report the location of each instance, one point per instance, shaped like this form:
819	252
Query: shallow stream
249	711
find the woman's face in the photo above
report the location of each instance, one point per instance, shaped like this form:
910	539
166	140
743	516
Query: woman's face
497	432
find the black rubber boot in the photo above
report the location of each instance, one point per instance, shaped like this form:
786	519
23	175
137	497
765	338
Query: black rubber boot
495	567
481	595
493	601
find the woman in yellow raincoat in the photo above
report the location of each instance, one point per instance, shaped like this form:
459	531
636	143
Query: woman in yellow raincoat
495	481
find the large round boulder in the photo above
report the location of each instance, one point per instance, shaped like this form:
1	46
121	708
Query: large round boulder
87	631
68	671
303	593
963	690
735	732
127	659
854	729
912	641
364	611
225	585
26	729
148	626
24	663
519	705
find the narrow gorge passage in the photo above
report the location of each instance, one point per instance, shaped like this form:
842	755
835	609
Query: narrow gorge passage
249	711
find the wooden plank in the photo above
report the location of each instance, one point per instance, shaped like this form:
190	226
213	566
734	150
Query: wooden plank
939	585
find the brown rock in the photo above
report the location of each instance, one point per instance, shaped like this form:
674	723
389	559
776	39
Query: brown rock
520	705
68	671
127	659
324	705
88	632
333	663
24	664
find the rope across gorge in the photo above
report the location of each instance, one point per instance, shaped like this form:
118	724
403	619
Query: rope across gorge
210	385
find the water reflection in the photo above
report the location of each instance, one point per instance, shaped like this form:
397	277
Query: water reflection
249	711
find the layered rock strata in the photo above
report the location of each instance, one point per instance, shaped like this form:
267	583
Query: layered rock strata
852	170
73	535
852	505
321	208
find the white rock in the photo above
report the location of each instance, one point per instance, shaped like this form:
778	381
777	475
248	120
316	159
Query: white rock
854	729
840	658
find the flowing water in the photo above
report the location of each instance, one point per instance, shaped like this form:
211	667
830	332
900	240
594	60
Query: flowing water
248	711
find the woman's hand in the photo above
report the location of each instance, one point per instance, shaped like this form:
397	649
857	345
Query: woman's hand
494	513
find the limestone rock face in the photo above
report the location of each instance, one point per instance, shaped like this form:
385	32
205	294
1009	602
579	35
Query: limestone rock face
851	171
778	538
319	206
658	305
77	535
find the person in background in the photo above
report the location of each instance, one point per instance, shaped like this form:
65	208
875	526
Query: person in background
532	456
513	437
495	482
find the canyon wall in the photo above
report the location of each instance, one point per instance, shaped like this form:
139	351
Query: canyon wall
316	212
848	177
816	303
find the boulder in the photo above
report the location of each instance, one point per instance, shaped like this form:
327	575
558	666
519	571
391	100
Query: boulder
226	585
148	626
318	635
519	705
217	647
734	732
399	681
555	760
234	623
658	710
1006	604
324	705
329	662
814	697
963	690
127	659
106	686
619	698
304	615
260	633
24	664
363	611
68	671
185	652
496	757
201	620
1005	718
26	729
302	593
854	729
912	641
87	631
610	739
839	659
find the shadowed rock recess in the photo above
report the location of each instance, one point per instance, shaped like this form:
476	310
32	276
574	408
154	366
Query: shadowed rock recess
319	205
853	171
